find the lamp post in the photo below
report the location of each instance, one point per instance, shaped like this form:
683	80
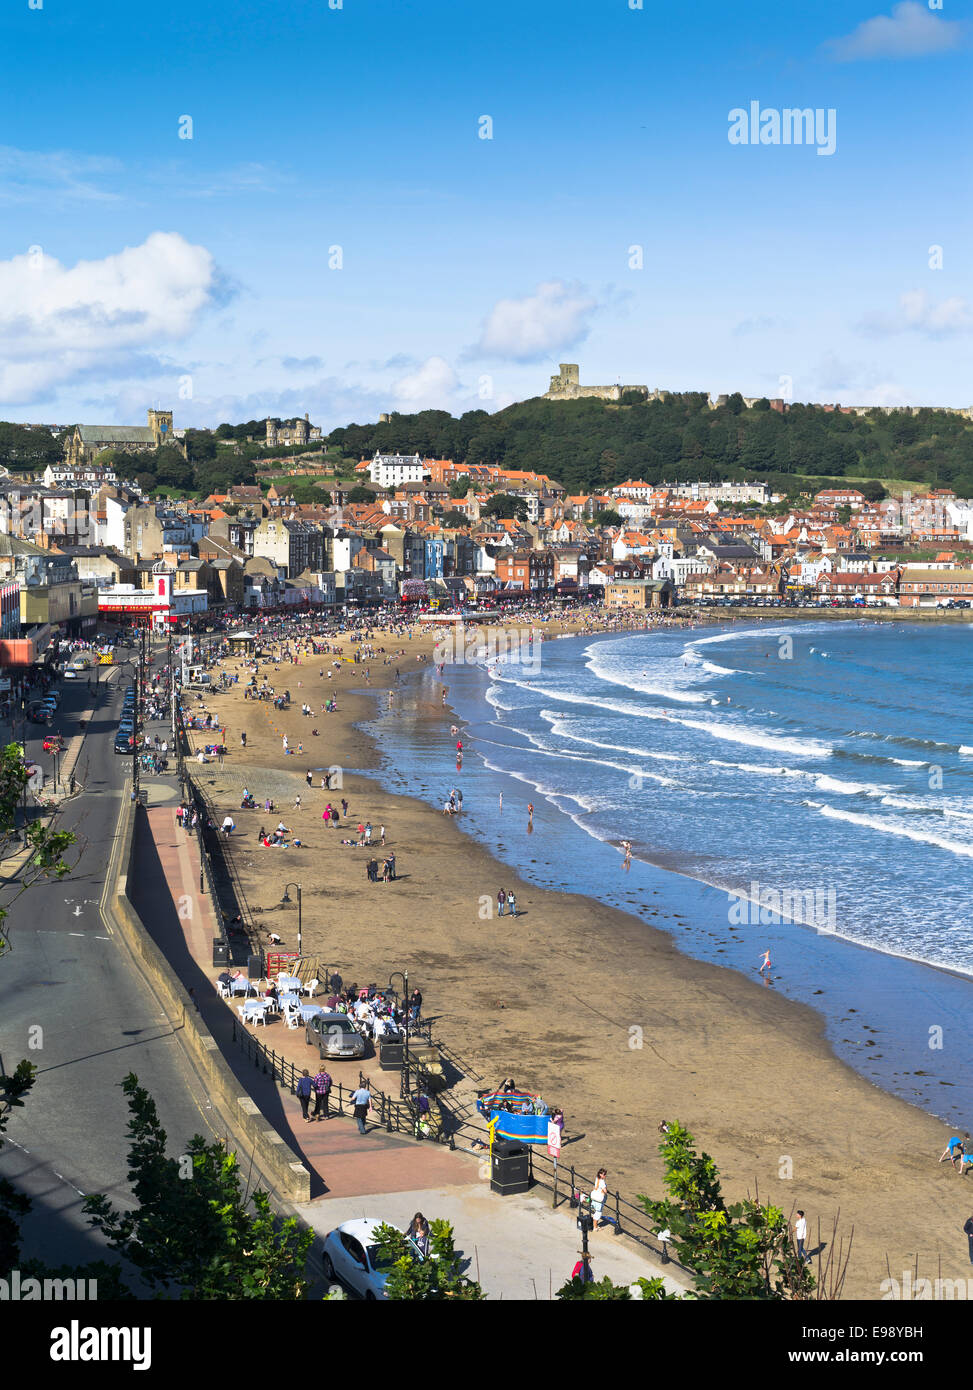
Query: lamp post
404	976
286	899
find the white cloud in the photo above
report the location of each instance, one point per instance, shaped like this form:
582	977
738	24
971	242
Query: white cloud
918	313
555	317
433	386
57	323
911	31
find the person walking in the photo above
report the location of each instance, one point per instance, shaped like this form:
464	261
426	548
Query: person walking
304	1088
501	902
308	778
362	1101
512	904
415	1005
322	1089
368	832
800	1234
344	808
382	832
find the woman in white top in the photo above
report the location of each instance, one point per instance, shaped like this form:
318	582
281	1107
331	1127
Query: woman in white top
598	1195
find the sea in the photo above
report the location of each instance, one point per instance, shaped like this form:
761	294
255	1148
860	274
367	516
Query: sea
799	787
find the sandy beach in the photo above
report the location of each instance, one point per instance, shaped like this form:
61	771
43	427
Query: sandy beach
592	1007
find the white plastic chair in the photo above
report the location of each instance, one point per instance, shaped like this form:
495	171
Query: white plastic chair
310	987
292	1018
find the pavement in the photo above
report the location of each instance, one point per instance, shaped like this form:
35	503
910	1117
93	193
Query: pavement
516	1246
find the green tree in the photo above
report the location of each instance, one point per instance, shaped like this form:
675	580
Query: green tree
459	487
740	1251
607	517
360	494
192	1233
510	508
436	1279
454	518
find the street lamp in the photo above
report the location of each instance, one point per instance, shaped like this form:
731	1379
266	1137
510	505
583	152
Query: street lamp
404	976
286	899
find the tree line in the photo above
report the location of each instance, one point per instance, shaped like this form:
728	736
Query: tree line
591	445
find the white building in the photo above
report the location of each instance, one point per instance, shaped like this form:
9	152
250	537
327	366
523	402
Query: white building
392	470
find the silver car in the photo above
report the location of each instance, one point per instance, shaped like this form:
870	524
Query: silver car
334	1035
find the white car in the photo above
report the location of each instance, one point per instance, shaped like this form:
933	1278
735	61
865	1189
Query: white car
349	1256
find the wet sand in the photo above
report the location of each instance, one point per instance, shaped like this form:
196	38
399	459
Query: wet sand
590	1006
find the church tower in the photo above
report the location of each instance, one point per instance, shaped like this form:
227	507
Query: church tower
160	423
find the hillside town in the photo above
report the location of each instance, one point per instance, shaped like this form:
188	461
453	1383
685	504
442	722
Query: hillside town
78	543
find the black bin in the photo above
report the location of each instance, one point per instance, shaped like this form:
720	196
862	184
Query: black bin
391	1055
510	1168
255	967
221	951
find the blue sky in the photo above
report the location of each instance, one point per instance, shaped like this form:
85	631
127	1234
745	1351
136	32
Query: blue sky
337	238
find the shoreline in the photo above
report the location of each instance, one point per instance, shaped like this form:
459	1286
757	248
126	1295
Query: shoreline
705	1023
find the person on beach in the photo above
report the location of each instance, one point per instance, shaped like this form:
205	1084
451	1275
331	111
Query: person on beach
530	815
512	904
953	1150
627	847
765	963
308	778
501	902
800	1235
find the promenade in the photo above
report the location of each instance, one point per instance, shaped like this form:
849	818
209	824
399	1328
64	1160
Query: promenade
516	1245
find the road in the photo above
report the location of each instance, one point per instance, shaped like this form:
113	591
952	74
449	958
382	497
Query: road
72	1003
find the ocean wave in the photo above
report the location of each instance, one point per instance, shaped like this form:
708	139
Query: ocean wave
666	680
731	733
892	828
559	726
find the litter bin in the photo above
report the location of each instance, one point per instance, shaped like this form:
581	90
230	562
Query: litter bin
221	951
509	1168
255	967
391	1055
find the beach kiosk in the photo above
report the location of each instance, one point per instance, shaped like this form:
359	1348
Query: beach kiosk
242	643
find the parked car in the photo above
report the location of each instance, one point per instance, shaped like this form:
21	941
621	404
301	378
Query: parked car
124	743
334	1036
351	1255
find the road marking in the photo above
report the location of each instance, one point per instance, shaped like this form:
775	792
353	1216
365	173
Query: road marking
75	933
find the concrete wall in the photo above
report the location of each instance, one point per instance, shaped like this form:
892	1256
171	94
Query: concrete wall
272	1156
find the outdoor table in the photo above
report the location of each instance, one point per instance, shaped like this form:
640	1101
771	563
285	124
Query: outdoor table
242	987
288	982
308	1011
293	1000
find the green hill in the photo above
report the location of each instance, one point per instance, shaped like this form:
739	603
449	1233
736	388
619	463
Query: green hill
590	444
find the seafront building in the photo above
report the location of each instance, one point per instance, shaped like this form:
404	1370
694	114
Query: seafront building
81	543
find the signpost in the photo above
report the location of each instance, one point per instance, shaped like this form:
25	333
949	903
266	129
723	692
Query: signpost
554	1145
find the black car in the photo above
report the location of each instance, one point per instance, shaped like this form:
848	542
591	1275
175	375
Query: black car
124	743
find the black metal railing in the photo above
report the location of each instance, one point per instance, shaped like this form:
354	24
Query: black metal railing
394	1116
